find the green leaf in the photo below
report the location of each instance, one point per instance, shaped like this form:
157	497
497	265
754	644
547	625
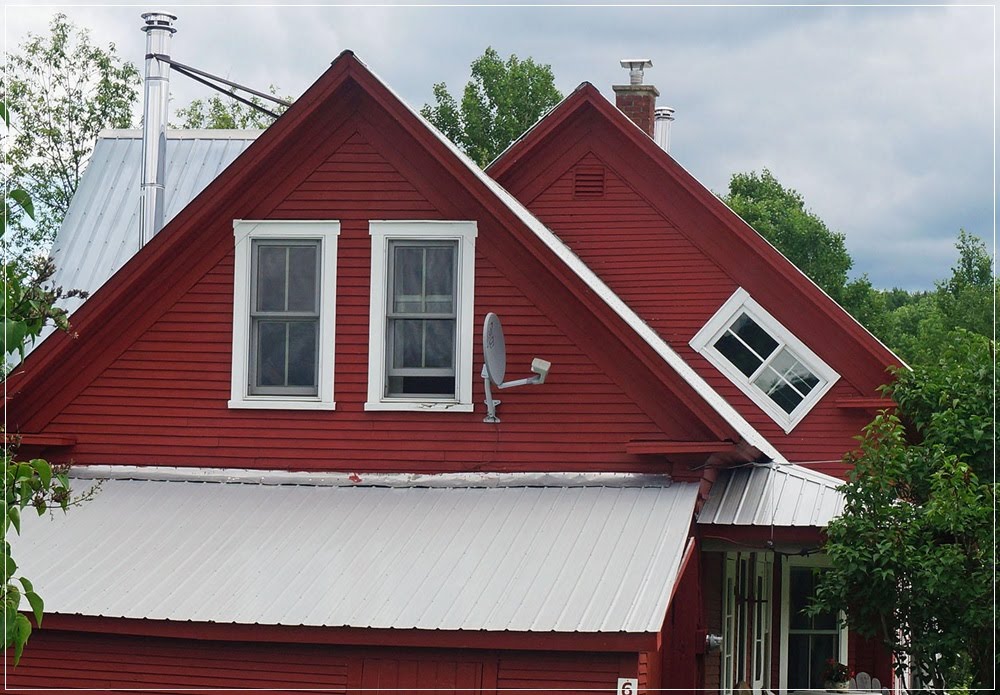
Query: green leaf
37	606
26	583
22	198
43	469
4	114
15	518
22	631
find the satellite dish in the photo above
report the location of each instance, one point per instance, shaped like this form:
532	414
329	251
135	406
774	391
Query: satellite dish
494	349
495	365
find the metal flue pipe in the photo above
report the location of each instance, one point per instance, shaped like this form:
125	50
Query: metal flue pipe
159	28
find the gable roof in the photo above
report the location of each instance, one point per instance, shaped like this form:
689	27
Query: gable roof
178	248
701	209
522	553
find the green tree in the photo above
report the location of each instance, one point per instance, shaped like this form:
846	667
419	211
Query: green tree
501	101
28	304
779	214
222	112
919	329
913	554
61	91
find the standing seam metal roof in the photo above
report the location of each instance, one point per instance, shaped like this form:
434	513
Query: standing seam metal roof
101	229
773	495
534	559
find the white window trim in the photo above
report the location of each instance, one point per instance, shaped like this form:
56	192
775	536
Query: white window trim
245	231
382	232
786	564
704	343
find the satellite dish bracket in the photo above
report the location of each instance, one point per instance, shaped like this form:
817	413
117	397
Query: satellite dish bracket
495	366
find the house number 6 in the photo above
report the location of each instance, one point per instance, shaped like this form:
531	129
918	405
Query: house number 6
628	686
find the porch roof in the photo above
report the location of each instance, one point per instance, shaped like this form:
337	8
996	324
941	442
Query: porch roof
773	494
555	553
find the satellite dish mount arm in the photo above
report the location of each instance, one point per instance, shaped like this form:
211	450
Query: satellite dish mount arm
495	366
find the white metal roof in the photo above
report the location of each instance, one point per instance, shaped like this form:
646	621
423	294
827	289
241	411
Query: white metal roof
583	557
101	229
773	495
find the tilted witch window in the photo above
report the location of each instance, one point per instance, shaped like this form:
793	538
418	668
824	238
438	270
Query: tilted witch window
764	359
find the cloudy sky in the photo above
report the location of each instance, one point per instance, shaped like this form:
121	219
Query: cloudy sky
882	117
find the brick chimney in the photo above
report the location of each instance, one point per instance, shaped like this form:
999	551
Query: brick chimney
637	100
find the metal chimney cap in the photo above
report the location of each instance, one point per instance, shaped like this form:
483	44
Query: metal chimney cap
665	113
159	20
635	67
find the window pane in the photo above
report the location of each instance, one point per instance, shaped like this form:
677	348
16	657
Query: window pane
302	280
798	662
779	390
823	647
794	372
736	352
271	353
800	589
407	279
302	353
753	335
407	343
270	277
439	344
437	386
440	279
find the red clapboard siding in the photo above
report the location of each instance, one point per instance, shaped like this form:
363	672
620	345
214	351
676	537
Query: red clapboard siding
534	674
58	659
163	400
55	659
676	288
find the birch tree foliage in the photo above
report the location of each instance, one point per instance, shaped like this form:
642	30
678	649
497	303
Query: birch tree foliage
61	91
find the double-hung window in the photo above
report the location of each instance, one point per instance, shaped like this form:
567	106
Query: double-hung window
766	361
420	348
283	315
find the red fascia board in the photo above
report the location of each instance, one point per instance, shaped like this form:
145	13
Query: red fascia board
360	637
761	537
862	403
658	163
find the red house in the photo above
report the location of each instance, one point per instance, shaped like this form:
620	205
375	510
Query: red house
282	392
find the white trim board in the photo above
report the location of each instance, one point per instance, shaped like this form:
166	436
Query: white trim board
464	234
244	232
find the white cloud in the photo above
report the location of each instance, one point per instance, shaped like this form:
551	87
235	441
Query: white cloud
882	117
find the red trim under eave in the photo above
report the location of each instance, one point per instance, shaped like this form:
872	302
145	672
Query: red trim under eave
760	537
359	637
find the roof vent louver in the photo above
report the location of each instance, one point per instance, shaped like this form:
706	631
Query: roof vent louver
588	182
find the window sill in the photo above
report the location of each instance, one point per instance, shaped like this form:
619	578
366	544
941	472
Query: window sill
419	406
281	404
